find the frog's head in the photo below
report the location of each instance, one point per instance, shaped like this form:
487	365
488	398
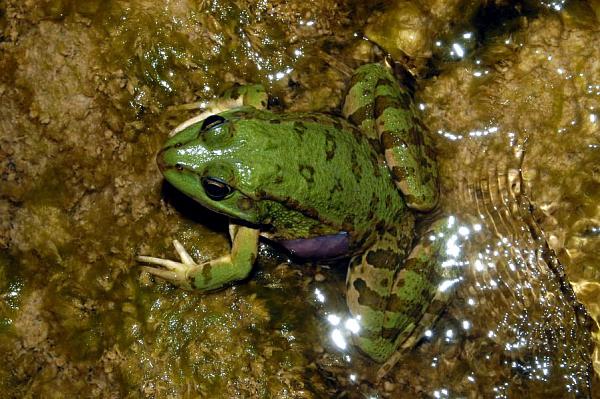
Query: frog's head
212	163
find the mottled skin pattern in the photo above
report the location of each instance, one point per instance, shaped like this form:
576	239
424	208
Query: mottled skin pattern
305	175
386	112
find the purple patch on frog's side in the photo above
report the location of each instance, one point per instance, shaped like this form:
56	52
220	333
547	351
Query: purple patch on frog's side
330	246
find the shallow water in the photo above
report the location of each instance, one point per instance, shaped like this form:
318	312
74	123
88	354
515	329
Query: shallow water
90	91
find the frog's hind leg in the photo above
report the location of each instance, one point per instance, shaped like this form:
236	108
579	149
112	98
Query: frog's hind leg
384	109
370	281
397	300
427	261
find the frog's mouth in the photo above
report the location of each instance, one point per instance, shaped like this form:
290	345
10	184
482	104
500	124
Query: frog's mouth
323	247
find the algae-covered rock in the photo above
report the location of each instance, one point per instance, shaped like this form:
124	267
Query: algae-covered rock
403	29
407	29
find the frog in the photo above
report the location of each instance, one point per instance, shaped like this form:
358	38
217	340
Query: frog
321	186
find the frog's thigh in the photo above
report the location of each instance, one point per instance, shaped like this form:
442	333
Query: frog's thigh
409	155
385	110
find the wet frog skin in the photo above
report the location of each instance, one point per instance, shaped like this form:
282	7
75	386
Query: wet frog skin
324	187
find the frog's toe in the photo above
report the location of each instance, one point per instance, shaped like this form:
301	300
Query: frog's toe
178	276
183	254
170	270
171	265
173	272
168	275
186	260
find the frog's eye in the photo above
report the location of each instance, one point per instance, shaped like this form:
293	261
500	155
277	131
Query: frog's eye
212	121
215	189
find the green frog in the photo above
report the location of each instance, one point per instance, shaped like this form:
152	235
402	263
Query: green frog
324	187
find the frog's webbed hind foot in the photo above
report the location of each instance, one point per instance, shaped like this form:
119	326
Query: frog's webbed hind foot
172	271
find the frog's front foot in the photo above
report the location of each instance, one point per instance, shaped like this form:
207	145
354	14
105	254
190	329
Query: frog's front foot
178	273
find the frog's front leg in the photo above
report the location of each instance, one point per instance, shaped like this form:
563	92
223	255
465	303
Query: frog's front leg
212	274
396	299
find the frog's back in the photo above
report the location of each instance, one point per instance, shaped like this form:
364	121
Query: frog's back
320	163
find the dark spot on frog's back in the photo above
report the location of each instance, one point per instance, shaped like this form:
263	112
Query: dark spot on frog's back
374	201
388	201
330	146
337	187
371	214
307	172
383	259
413	309
299	128
392	230
356	169
413	264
